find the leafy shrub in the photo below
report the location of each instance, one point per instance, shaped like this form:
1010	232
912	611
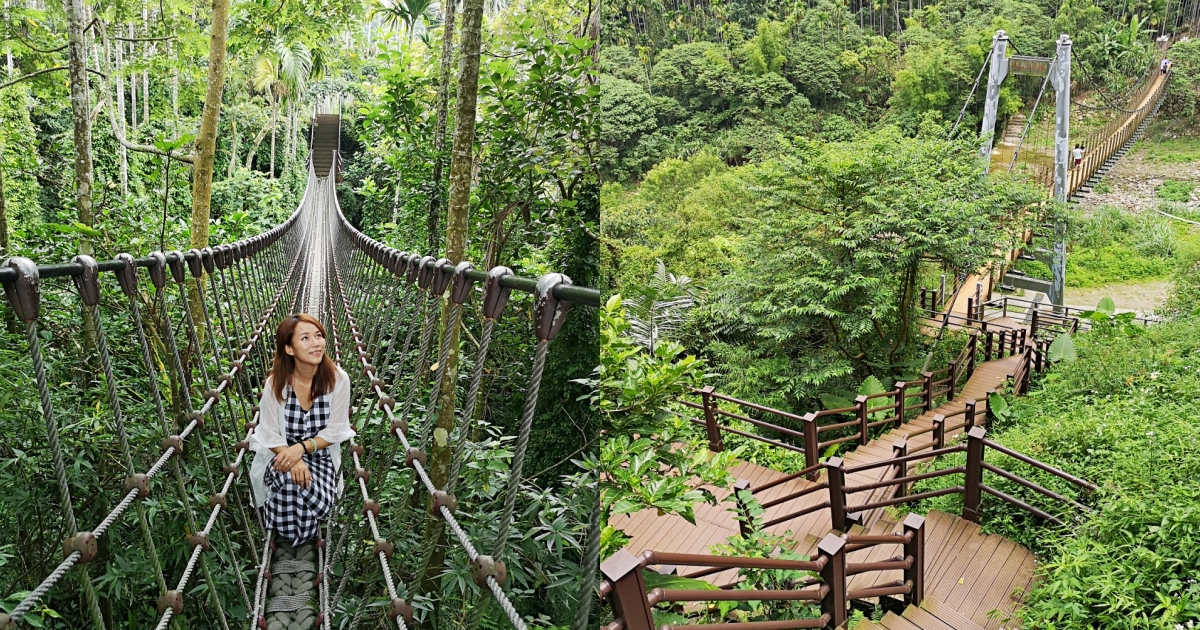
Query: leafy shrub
1175	190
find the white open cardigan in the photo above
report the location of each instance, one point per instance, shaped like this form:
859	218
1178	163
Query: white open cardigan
268	434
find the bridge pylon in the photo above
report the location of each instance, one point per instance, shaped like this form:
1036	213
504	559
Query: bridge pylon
1058	69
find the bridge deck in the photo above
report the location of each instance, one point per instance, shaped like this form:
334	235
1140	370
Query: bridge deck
988	567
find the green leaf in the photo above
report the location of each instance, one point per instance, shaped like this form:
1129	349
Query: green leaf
833	401
655	580
1062	349
1107	306
871	386
997	404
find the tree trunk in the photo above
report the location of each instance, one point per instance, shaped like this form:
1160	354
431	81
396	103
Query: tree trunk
10	319
262	133
233	149
439	133
274	119
461	167
119	83
133	104
206	141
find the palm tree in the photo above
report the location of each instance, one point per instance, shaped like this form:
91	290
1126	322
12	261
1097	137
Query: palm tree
414	15
283	74
657	310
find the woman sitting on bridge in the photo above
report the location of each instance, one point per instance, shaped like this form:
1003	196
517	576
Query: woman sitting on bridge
304	415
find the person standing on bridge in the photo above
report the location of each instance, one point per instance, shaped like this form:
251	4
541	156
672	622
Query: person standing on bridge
1077	153
304	416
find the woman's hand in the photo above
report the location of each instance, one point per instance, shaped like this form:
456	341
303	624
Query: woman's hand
288	457
301	475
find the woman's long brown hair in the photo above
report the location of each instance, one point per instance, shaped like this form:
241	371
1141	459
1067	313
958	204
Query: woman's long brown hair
284	364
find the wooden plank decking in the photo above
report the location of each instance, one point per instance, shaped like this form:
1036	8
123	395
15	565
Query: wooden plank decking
966	570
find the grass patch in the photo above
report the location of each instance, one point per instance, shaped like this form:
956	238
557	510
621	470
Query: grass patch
1103	187
1172	151
1175	190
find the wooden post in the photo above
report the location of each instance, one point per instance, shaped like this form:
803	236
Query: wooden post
835	604
972	409
974	476
745	523
837	495
812	444
971	353
915	523
900	400
1033	323
928	376
628	598
1003	342
970	310
979	299
953	375
1005	306
987	344
900	449
861	410
939	431
710	420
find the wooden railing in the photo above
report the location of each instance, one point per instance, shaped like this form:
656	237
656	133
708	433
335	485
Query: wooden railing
624	583
827	427
1047	319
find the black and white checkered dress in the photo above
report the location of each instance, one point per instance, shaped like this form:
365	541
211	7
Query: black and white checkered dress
295	513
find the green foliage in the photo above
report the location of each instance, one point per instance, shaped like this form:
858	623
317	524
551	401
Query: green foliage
1114	245
840	231
634	389
1175	190
1112	417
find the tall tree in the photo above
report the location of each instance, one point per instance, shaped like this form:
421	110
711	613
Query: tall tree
206	140
439	132
461	163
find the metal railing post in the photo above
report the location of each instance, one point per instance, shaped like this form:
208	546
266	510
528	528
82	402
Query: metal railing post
900	449
833	548
628	597
812	444
915	574
710	420
974	475
900	403
861	410
836	478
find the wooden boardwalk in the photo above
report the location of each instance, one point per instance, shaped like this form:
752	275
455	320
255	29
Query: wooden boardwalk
957	551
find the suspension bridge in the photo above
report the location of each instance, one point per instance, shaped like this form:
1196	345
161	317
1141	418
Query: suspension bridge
382	307
936	572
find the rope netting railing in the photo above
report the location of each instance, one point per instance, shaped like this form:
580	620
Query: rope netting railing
209	334
231	270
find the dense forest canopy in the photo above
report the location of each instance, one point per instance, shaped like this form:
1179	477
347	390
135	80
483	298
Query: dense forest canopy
173	163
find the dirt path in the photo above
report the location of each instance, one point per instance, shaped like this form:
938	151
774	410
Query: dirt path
1129	296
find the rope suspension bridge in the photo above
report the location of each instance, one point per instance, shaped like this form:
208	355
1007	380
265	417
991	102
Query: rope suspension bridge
315	262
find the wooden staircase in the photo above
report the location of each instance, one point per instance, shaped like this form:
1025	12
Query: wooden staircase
324	143
931	615
968	570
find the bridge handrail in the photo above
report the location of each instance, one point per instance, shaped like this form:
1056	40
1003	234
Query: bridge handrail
624	585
